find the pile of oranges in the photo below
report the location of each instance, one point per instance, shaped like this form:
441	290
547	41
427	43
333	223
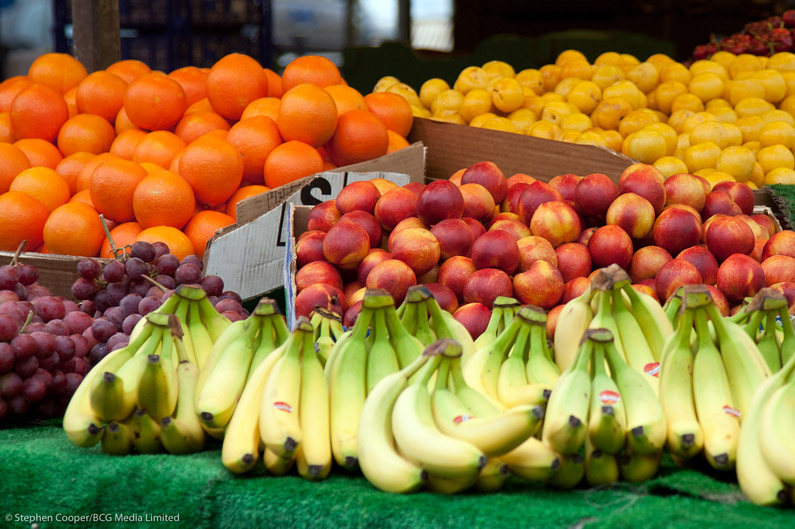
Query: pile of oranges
167	157
731	117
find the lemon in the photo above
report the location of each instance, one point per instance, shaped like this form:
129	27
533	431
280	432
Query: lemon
668	132
420	112
670	165
750	126
408	93
569	55
569	136
626	90
724	58
430	89
718	102
739	89
449	116
703	66
507	94
534	103
778	115
744	63
611	58
752	106
773	83
666	92
613	138
565	85
757	176
709	131
555	111
552	75
696	119
789	82
579	68
724	114
636	120
780	175
788	105
677	119
783	61
716	177
752	146
734	136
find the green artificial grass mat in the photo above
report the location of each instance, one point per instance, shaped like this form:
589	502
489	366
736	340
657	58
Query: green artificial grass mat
42	474
786	192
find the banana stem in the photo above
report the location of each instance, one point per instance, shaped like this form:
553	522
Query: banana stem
441	375
788	343
752	326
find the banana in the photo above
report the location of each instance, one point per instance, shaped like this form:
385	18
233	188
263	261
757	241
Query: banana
314	458
223	385
232	333
565	422
277	465
167	307
80	422
482	371
419	438
324	342
646	427
240	450
776	428
685	438
569	473
333	355
182	312
445	326
603	317
532	460
573	321
744	363
158	388
713	398
117	439
183	433
768	344
279	416
107	398
443	485
381	358
475	401
502	312
146	433
607	422
601	468
512	381
378	457
637	350
407	347
265	344
540	367
637	468
130	372
672	306
200	340
415	318
215	322
651	318
492	476
788	340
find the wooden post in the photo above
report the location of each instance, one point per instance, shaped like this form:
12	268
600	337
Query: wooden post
97	40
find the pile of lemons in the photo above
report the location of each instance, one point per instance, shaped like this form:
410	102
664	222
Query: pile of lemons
727	118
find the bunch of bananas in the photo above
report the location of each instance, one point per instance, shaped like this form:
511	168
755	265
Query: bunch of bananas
283	412
710	371
328	329
231	362
516	368
766	320
422	317
615	419
423	425
637	322
502	312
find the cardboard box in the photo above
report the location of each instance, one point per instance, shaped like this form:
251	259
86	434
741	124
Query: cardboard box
56	272
249	255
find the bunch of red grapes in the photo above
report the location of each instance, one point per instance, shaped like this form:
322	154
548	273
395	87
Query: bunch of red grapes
763	37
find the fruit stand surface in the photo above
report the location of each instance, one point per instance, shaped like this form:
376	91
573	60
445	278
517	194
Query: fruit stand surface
42	474
786	192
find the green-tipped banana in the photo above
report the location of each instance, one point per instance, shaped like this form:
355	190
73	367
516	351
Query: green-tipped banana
445	326
652	319
573	321
107	398
637	468
672	307
215	322
324	341
381	358
182	313
633	341
158	388
232	333
482	371
788	340
601	468
569	473
407	347
183	433
314	458
492	477
512	386
130	373
475	401
540	368
532	460
279	417
223	386
768	343
776	429
169	306
276	464
117	439
603	317
502	312
607	422
146	433
200	339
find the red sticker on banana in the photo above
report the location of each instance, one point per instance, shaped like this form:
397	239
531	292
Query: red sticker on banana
652	369
462	418
609	397
731	411
283	406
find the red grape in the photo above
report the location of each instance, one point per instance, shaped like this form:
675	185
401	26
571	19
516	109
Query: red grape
33	389
144	251
102	329
65	348
15	310
3	408
8	277
193	259
18	405
46	408
167	264
20	290
130	322
136	267
84	288
58	384
69	306
166	281
88	307
51	362
77	322
188	274
10	385
28	274
161	248
212	285
26	367
8	295
115	316
129	304
117	341
155	292
89	268
139	286
88	334
226	305
45	343
229	294
36	325
8	328
102	301
82	344
113	271
37	291
147	305
72	381
97	353
49	308
232	316
24	346
44	375
57	328
6	357
115	292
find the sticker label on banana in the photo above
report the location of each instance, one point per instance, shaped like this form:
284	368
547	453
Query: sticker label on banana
652	369
609	397
283	406
731	411
462	418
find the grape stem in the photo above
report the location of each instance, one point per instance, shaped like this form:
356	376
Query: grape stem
15	259
158	285
113	247
27	322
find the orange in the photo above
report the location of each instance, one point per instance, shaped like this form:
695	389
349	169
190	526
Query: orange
233	82
40	153
359	136
264	106
213	168
392	110
274	83
6	135
154	101
87	133
71	101
313	69
254	139
69	168
22	218
158	147
74	229
84	176
101	93
193	81
12	162
290	161
38	111
128	69
242	194
396	142
150	167
175	162
178	243
199	106
347	98
10	88
195	124
124	234
43	184
123	123
112	185
203	226
83	196
125	143
163	198
59	71
308	114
